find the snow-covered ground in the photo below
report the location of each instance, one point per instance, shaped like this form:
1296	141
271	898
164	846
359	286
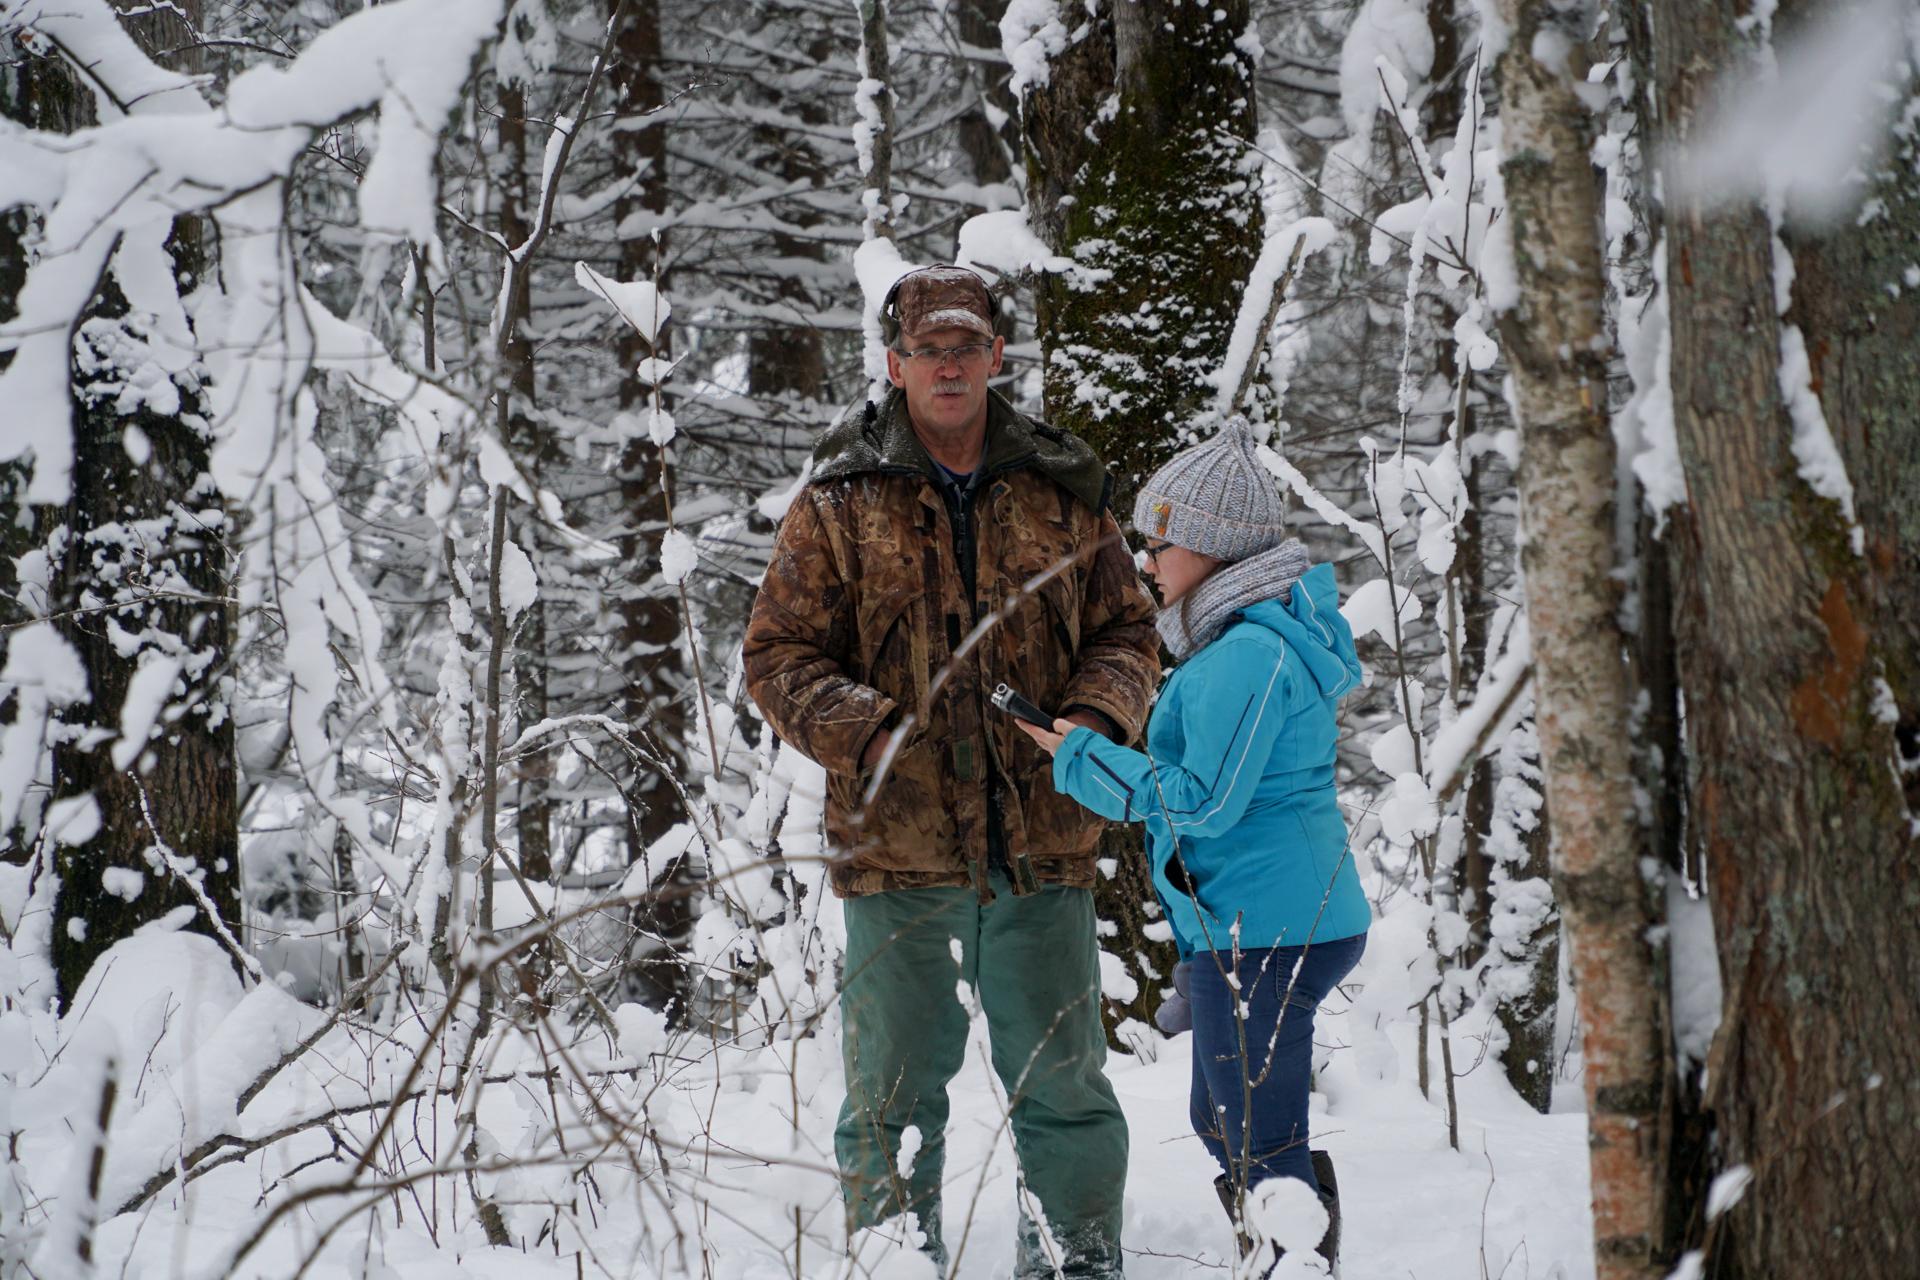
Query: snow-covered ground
1512	1202
734	1143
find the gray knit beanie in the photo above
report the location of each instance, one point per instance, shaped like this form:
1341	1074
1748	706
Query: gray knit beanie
1215	498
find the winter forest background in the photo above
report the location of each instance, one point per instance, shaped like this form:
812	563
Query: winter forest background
397	402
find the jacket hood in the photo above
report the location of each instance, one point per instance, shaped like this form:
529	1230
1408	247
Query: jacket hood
1315	632
879	437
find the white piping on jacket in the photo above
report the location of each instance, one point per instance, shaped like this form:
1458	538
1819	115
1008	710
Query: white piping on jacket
1245	751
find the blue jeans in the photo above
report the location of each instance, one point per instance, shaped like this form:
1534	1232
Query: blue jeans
1251	1073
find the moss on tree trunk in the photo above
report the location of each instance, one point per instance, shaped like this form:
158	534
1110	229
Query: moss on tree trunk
1160	211
1137	170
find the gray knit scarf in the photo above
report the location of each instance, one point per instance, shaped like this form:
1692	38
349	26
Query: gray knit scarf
1189	624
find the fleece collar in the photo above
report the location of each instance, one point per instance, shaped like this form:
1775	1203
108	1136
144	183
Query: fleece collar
880	438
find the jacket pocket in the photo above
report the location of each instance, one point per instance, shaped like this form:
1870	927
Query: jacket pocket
905	824
892	649
1057	825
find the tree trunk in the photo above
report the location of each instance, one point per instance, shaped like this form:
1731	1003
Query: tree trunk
1863	344
1798	797
140	575
1556	341
523	435
1146	191
873	101
144	556
1663	763
1149	195
1469	589
40	93
650	621
656	682
987	133
1528	1016
1467	578
787	363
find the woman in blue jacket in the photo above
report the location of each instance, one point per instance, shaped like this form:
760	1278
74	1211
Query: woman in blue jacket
1248	846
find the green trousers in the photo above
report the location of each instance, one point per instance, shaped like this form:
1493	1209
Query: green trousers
1034	965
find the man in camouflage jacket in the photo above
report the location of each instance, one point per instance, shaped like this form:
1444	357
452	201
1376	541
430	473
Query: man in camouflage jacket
944	544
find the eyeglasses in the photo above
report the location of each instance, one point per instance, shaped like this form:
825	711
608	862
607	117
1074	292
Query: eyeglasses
1155	548
934	357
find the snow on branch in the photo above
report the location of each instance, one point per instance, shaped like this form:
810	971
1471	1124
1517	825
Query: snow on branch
1266	291
122	79
1481	726
1323	506
99	185
1032	34
1004	242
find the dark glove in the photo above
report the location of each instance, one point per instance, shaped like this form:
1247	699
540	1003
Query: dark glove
1175	1014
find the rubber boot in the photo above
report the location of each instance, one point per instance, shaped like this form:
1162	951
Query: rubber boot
1225	1189
1329	1196
1323	1173
1243	1242
1227	1194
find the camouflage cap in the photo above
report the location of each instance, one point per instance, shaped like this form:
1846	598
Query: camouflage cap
937	297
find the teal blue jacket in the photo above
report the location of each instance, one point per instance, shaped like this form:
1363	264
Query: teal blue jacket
1243	739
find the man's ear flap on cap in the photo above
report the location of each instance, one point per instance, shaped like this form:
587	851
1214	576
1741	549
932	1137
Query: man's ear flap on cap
890	312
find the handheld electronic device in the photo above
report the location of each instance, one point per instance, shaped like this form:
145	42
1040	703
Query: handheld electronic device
1009	700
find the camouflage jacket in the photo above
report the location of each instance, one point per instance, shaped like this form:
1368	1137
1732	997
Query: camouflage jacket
863	611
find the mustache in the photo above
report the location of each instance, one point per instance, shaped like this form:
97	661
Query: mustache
951	387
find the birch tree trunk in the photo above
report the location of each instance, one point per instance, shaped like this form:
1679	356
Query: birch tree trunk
1556	341
1797	657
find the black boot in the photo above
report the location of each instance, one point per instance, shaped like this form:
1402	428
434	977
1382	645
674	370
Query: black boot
1243	1242
1229	1194
1329	1196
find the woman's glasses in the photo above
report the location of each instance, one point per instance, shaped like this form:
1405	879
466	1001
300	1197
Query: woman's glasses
1155	548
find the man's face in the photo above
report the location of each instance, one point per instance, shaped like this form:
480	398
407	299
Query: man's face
945	392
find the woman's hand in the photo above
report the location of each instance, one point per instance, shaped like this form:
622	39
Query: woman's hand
1049	742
